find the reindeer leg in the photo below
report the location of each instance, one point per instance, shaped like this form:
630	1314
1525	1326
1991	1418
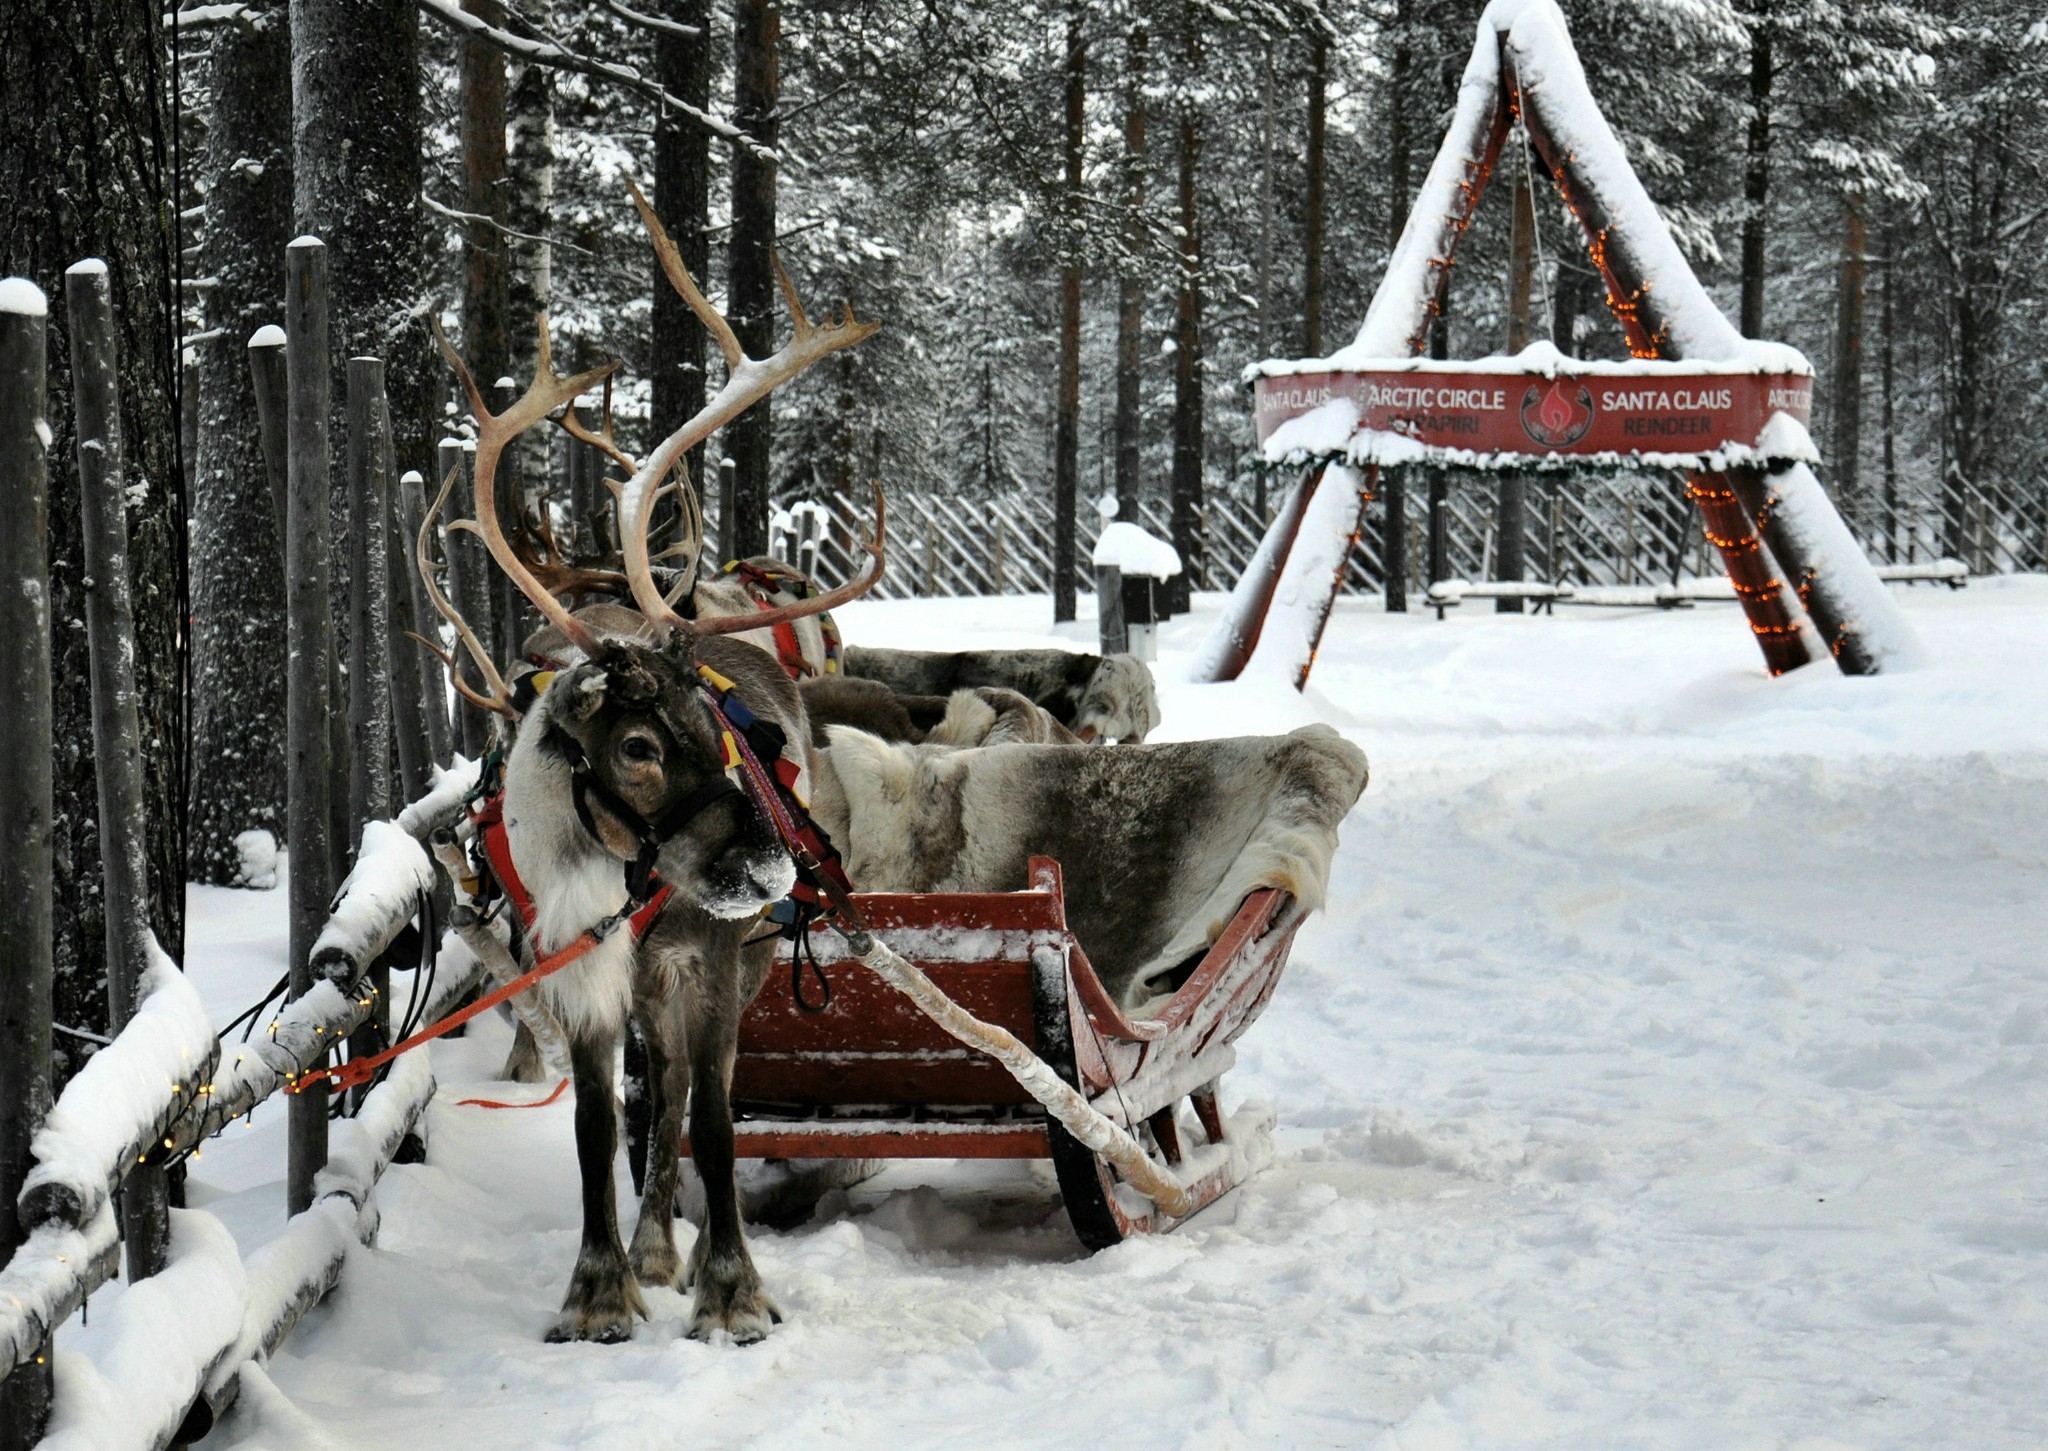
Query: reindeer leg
523	1064
602	1298
653	1256
730	1296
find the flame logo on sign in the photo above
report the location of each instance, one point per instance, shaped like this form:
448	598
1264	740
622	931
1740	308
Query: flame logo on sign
1553	416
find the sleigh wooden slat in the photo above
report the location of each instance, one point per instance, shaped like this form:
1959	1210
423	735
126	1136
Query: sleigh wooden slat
872	1078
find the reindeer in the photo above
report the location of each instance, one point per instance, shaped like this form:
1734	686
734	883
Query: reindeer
615	779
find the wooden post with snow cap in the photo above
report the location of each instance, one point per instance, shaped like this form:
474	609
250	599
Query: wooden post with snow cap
116	733
420	727
25	801
1113	638
369	674
308	815
266	371
466	586
408	507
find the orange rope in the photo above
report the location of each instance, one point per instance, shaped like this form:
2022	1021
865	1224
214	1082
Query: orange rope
359	1071
537	1103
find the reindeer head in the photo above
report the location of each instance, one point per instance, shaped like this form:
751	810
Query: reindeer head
648	770
642	741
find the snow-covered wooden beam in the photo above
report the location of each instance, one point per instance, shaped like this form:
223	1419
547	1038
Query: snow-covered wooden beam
168	1332
293	1273
118	1108
48	1278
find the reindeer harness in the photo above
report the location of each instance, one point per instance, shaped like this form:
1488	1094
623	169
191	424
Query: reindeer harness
745	741
763	584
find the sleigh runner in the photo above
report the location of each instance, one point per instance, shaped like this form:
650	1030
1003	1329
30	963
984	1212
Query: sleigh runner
871	1077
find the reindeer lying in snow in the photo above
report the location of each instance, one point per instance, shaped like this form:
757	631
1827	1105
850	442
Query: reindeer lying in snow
616	783
1097	697
984	716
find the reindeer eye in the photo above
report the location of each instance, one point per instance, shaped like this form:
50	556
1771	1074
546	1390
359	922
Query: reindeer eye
639	748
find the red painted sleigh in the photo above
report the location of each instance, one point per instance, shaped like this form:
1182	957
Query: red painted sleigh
872	1078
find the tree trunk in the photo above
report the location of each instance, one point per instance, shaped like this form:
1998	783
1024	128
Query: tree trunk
682	195
1848	402
757	31
529	210
356	186
1756	175
1188	371
487	277
85	170
1265	258
1312	202
1067	425
238	630
1130	317
1397	129
1891	459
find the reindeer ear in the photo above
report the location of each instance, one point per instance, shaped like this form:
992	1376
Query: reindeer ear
582	691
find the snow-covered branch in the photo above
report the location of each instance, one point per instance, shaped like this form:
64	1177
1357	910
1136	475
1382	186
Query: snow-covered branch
552	53
456	214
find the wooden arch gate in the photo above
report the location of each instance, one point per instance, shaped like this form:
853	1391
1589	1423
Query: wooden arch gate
1694	396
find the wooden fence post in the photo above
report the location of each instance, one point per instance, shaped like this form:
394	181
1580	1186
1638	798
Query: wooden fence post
468	587
369	672
415	675
116	734
728	508
266	371
308	813
25	920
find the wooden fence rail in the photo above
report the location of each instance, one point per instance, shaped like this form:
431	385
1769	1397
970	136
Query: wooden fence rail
166	1084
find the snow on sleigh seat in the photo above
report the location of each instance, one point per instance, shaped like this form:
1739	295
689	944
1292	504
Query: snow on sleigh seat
872	1078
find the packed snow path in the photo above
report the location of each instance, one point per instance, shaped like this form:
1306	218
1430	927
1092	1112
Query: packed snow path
1670	1070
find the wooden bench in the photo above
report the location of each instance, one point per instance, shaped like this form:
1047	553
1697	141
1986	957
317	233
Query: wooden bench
1448	594
1951	572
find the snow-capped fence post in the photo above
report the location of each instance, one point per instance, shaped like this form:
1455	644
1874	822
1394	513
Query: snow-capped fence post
728	506
369	672
465	586
308	814
409	507
116	734
266	372
25	801
1109	610
411	726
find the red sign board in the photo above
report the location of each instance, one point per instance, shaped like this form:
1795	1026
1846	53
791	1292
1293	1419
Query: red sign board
1665	411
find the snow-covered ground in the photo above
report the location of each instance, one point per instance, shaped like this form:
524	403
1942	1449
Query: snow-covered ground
1670	1069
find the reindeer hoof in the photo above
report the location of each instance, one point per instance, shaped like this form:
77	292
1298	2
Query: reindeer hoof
745	1312
658	1265
601	1303
604	1329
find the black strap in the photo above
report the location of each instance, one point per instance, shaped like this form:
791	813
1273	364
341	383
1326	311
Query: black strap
584	785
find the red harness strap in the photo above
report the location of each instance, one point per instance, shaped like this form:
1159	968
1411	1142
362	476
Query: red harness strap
490	820
762	587
490	825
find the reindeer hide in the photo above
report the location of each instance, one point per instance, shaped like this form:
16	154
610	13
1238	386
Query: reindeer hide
1160	844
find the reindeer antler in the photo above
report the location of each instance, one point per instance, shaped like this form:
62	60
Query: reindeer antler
494	430
501	698
748	380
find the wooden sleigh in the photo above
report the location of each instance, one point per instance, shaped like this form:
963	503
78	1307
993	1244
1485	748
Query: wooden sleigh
872	1078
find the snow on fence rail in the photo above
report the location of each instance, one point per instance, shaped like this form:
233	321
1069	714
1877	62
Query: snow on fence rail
163	1086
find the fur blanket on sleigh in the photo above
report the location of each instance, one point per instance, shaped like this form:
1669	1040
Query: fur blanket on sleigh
1159	844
